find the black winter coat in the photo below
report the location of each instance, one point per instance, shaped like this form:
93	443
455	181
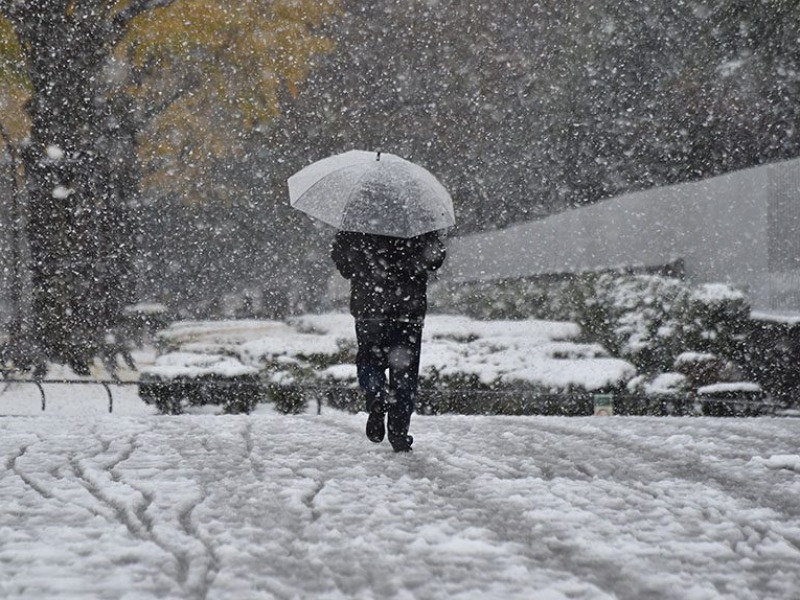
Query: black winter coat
388	276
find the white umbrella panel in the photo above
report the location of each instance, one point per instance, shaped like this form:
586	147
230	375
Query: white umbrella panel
372	192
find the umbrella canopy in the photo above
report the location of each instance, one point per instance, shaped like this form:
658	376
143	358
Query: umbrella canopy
372	193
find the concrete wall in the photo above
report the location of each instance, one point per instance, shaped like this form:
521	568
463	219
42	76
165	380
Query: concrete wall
742	228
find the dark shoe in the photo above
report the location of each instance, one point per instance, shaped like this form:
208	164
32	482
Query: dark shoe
376	430
402	444
398	423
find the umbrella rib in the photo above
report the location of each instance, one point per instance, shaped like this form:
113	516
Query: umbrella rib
354	189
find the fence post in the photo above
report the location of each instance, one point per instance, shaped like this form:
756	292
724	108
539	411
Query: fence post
110	397
41	391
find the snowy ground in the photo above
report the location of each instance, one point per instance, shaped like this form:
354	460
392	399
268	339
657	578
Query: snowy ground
137	506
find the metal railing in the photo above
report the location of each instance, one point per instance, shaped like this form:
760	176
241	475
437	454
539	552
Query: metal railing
40	383
468	401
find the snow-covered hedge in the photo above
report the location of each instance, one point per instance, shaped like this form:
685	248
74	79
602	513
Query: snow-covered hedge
651	320
457	353
648	320
181	379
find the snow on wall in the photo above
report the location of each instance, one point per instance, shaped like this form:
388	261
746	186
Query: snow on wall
740	228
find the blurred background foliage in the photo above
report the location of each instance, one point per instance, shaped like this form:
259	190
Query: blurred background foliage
523	109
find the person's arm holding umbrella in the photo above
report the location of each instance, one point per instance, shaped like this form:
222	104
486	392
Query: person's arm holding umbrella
433	251
342	254
422	253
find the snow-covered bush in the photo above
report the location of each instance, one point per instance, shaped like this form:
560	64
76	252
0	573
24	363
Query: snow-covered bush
771	357
460	355
181	379
700	368
662	384
647	319
650	320
740	398
287	400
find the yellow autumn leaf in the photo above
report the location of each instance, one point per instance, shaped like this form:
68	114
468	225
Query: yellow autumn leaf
211	66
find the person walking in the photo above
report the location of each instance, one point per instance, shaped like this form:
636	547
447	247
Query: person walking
388	299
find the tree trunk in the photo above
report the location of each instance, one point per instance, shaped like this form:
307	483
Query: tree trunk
76	204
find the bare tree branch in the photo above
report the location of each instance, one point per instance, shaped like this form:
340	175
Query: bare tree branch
156	108
123	18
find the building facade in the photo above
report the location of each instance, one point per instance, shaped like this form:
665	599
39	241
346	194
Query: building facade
742	228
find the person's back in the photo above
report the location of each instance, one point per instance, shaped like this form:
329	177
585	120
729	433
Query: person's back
388	275
388	298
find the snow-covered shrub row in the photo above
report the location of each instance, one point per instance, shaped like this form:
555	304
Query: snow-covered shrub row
458	352
533	358
229	356
180	379
648	320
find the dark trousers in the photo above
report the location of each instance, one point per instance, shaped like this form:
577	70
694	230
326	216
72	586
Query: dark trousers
386	344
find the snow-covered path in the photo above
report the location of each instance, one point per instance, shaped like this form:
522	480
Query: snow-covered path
271	506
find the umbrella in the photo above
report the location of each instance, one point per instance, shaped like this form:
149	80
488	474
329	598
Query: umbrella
372	193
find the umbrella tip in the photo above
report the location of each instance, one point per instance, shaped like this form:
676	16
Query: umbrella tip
379	156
